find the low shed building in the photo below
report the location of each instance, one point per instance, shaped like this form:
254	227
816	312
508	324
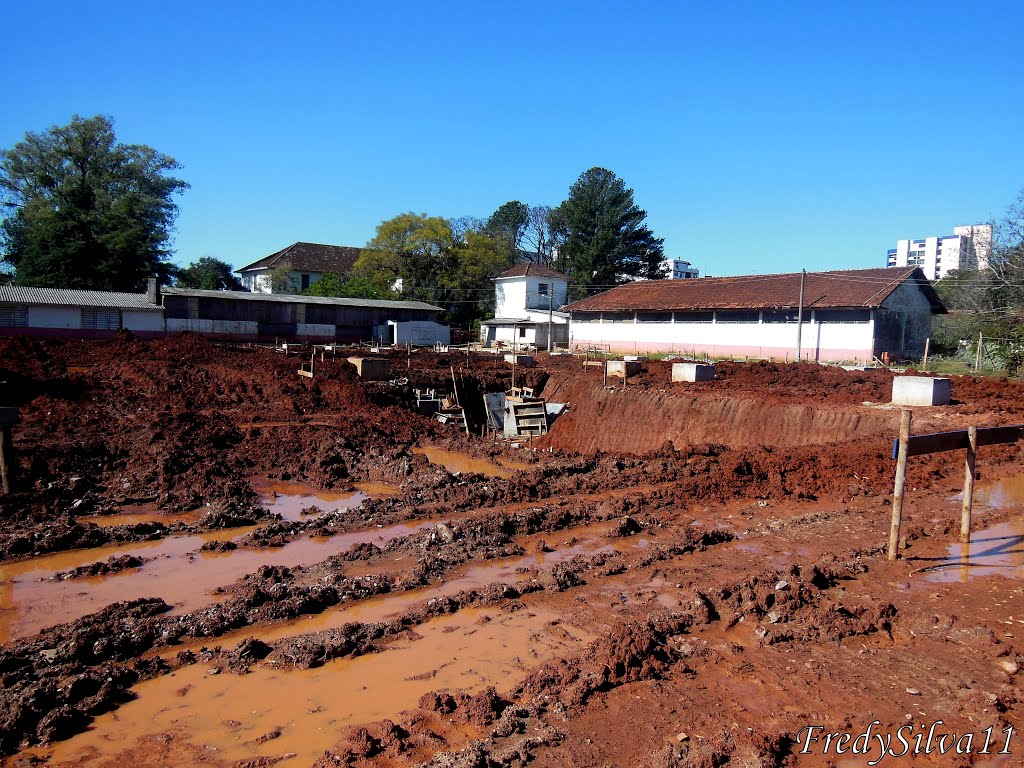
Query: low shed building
64	312
852	315
265	316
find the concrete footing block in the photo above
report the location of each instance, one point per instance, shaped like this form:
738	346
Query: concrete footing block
692	372
372	368
623	367
524	361
921	390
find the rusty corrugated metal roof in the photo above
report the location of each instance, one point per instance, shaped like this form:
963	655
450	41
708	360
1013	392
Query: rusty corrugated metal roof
837	289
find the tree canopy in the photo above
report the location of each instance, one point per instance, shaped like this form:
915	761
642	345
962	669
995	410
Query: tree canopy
84	211
605	239
209	274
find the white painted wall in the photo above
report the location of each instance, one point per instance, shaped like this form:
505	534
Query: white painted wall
139	320
820	341
418	333
233	327
514	296
54	317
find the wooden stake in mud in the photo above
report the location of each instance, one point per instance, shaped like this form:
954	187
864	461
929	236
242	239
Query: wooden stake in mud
927	346
8	416
901	481
977	357
965	512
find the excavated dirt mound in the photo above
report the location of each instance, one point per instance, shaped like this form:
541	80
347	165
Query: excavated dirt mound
695	572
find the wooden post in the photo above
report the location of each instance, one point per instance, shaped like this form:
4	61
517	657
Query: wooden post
6	458
968	504
977	357
901	481
606	373
927	346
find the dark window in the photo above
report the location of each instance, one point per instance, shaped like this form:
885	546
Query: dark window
101	319
305	282
734	316
842	315
617	317
522	333
783	316
13	316
542	289
654	317
694	317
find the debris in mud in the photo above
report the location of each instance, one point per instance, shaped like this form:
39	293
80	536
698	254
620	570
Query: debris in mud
114	564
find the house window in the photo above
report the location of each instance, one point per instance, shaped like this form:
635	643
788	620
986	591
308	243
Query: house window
842	315
694	317
305	282
617	317
654	317
782	316
101	319
542	289
14	317
522	332
737	317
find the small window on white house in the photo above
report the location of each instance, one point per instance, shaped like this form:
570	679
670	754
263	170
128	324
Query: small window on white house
522	333
101	319
13	316
542	289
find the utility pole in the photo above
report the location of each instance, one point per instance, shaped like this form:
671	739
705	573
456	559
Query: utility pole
551	299
800	314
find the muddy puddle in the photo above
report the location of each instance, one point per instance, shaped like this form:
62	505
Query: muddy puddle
290	499
141	513
994	551
461	462
510	570
273	712
31	600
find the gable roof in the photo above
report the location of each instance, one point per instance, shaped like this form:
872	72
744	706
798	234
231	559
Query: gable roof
309	257
842	288
72	297
531	269
285	298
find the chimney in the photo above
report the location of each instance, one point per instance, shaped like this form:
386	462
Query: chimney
153	291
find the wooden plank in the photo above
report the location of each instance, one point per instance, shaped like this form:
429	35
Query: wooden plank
938	442
9	416
1000	435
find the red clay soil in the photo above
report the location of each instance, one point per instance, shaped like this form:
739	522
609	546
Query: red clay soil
723	542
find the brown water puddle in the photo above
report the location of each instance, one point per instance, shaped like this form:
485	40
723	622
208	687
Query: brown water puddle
461	462
289	499
30	601
142	513
505	570
229	713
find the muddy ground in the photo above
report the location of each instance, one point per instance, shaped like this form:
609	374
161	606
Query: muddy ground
207	559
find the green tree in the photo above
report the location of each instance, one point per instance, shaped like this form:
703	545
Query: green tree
331	284
209	274
416	249
467	287
83	211
508	226
606	240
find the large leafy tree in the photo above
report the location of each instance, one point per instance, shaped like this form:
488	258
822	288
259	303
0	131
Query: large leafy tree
84	211
606	240
508	226
414	248
209	274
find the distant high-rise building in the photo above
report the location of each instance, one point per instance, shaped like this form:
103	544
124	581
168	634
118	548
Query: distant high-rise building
969	247
681	270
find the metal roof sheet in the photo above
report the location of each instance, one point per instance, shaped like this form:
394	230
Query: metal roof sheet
287	298
70	297
844	288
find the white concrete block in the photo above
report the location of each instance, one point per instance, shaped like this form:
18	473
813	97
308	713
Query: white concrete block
921	390
623	367
526	361
692	372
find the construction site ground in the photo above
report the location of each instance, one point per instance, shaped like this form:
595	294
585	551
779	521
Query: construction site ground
207	559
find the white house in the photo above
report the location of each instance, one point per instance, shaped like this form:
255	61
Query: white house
527	300
853	315
78	314
301	264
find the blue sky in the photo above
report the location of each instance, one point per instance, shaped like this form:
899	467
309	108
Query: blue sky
759	137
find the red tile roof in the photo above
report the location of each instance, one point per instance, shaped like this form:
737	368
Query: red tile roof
847	288
531	269
310	257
